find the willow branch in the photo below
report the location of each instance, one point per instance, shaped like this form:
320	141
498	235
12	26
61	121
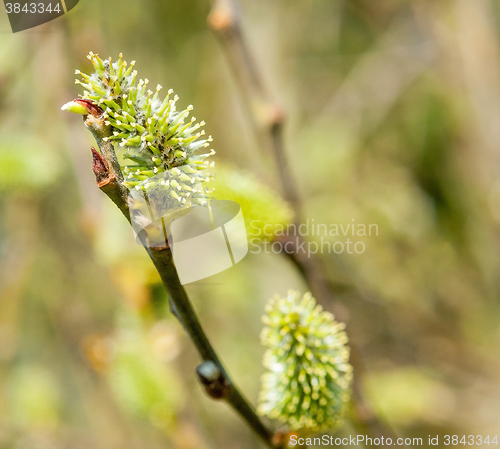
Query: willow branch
211	372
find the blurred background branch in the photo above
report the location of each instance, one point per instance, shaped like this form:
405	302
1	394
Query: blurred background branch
268	118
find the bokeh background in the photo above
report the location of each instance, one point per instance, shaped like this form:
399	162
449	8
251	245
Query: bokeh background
393	118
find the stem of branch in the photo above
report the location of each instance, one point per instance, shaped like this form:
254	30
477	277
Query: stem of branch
109	179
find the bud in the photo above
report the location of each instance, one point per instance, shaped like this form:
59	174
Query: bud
99	166
74	107
212	379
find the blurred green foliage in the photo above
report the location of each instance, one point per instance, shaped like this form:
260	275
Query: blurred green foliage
393	110
26	164
143	385
260	204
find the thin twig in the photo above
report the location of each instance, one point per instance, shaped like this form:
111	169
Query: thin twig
109	179
265	115
268	118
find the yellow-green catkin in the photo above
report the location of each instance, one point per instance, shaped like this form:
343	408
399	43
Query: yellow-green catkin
307	386
150	135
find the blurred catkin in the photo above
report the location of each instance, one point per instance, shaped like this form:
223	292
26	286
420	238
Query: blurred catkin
307	387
